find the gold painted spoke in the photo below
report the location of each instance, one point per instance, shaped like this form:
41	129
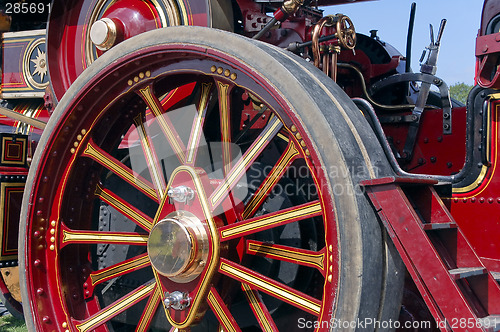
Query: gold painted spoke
271	180
197	129
289	254
236	172
149	311
118	168
259	309
270	220
271	287
221	311
151	158
138	217
224	92
165	124
116	270
116	308
89	237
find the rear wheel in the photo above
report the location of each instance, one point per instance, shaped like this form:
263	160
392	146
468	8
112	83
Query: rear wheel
190	179
71	49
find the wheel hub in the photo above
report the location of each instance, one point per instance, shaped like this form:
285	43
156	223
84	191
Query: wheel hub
178	246
103	33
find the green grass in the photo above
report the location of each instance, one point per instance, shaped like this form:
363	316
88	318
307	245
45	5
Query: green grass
11	324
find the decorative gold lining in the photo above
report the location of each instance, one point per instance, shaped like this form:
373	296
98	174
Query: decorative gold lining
480	178
275	290
474	184
11	253
120	306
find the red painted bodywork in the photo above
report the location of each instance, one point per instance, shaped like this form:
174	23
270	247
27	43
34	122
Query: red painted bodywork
434	153
477	211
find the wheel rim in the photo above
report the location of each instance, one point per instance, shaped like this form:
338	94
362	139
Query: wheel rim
106	201
70	48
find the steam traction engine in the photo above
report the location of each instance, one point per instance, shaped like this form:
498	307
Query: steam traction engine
223	165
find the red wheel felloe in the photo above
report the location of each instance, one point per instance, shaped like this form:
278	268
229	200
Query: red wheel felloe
188	183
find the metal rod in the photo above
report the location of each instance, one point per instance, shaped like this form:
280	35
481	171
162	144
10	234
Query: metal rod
296	46
409	39
441	30
23	118
367	94
266	28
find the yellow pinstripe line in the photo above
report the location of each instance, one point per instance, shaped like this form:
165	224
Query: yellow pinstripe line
242	163
91	151
273	179
255	304
147	93
278	291
80	237
97	277
150	310
136	217
313	259
228	326
110	311
272	220
194	139
148	150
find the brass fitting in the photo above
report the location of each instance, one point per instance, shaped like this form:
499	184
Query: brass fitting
290	7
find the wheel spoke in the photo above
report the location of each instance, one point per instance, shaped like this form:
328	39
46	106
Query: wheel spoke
114	271
270	220
165	124
289	254
149	311
151	157
122	171
221	311
270	181
197	130
245	161
271	287
90	237
259	309
141	219
116	308
225	124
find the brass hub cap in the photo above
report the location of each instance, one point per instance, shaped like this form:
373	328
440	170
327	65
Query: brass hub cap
178	246
103	33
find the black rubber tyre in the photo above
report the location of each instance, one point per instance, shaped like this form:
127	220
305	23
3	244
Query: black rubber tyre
366	282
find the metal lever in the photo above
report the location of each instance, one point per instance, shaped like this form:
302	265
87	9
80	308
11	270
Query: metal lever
441	30
429	67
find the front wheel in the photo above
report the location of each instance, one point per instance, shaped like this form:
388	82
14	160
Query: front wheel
195	179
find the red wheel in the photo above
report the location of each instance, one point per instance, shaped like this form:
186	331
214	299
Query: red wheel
70	48
188	179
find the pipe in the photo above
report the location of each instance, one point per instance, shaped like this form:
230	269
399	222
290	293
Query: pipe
409	38
22	118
